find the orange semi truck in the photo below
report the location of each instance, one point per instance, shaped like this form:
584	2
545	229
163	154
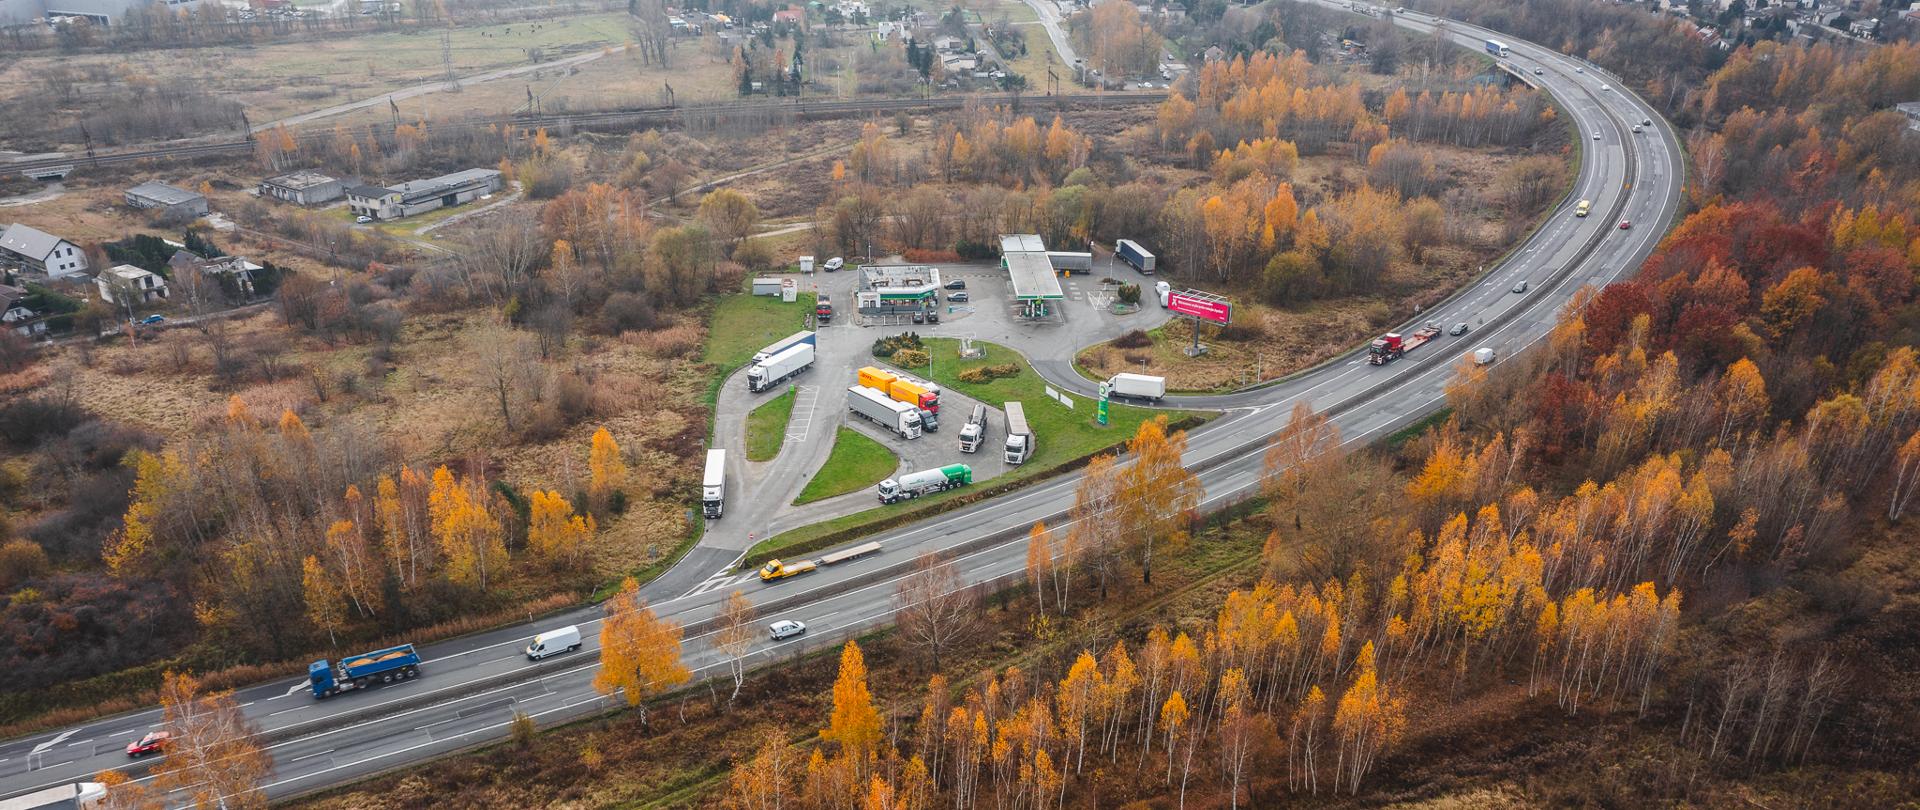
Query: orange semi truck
918	393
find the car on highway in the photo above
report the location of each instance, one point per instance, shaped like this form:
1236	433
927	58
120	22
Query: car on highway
1579	70
1626	224
1646	122
1458	329
1596	136
957	284
786	628
1520	287
1607	88
959	297
1636	128
1539	72
153	743
834	263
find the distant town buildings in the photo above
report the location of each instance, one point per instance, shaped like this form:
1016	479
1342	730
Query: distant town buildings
303	188
98	12
170	199
421	196
37	251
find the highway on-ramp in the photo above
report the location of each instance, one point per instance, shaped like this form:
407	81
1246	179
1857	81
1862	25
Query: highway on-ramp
470	687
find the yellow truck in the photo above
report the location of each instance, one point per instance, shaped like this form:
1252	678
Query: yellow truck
776	569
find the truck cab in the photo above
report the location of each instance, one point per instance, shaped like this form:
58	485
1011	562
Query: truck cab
775	569
823	309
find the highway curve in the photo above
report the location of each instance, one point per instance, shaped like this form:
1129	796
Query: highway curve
471	686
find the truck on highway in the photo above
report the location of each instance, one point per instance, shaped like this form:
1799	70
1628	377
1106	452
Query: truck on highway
1137	386
76	796
778	346
713	486
1132	253
896	416
1020	441
925	482
779	368
974	431
1497	48
363	670
1387	349
1483	356
775	569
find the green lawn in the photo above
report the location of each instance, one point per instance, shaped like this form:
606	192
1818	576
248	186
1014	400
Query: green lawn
767	427
1062	435
743	324
856	462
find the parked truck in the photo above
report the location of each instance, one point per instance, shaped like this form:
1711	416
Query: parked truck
913	391
1020	441
1497	48
361	671
899	417
775	569
1387	349
713	487
74	796
974	431
789	363
795	339
1136	386
823	309
925	482
1132	253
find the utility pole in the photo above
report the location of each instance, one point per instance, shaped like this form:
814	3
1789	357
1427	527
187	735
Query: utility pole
446	58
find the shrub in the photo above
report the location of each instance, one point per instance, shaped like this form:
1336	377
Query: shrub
891	344
910	358
973	251
522	730
1135	339
625	310
985	374
754	254
1129	293
20	560
926	256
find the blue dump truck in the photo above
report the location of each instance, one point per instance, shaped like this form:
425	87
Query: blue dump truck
363	670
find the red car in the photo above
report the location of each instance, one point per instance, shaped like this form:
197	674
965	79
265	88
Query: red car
150	744
1625	224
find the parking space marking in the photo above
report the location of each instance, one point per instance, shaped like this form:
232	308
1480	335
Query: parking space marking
798	425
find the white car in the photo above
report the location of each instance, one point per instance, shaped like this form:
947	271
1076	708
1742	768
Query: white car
786	628
835	263
363	220
1608	88
1596	136
1579	70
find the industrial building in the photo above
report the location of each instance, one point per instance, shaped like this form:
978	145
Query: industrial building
421	196
173	200
303	188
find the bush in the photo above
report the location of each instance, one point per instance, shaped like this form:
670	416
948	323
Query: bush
522	730
625	311
985	374
1135	339
1129	293
891	344
926	256
754	254
910	358
25	423
20	560
974	251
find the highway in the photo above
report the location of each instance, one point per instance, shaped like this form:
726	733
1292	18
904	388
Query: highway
470	687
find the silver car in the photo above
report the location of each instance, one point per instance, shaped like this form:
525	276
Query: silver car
1458	329
786	628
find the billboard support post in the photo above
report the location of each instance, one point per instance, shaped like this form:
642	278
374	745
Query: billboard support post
1197	306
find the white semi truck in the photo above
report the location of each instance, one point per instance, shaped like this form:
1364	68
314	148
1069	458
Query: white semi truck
975	431
896	416
1136	386
1020	442
713	486
795	339
925	482
779	368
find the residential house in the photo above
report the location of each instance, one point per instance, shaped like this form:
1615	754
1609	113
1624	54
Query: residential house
303	188
1864	29
16	315
421	196
1910	109
948	44
152	194
791	16
231	272
41	252
123	284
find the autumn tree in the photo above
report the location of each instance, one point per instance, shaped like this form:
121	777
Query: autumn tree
122	793
936	608
1298	453
469	534
326	608
765	781
1368	719
639	651
729	215
554	533
213	758
1156	491
855	722
735	637
608	482
1039	564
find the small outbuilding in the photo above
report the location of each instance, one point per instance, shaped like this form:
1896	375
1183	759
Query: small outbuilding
173	200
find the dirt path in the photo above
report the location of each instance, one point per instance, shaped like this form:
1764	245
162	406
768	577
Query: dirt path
432	87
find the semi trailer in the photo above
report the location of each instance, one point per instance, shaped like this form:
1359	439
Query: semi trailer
1020	441
776	569
795	339
779	368
925	482
901	419
364	670
975	431
1391	346
713	486
1132	253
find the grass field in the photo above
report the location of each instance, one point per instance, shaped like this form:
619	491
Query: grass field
856	462
767	427
743	324
1062	436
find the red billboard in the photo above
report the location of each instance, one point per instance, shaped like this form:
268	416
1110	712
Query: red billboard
1205	306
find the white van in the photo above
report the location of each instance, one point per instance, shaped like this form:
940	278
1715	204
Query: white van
1583	208
1483	357
554	642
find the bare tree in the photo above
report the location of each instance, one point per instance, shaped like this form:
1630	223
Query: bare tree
211	755
501	259
736	637
936	609
509	365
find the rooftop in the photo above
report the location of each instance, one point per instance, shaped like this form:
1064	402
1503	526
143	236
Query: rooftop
29	241
301	180
127	272
163	193
1025	256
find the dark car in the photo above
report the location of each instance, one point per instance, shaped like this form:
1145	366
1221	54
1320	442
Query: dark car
957	284
153	743
919	317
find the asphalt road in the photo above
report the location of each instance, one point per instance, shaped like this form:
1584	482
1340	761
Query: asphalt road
470	687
